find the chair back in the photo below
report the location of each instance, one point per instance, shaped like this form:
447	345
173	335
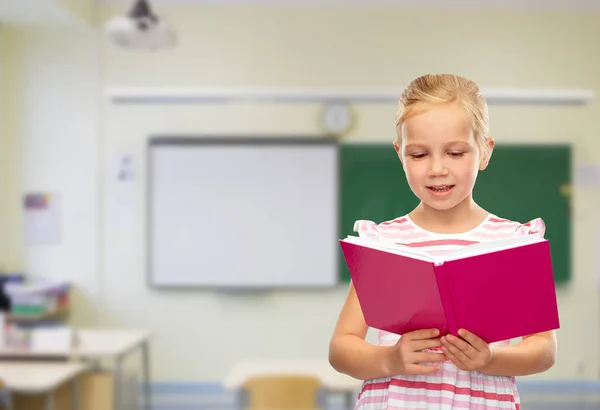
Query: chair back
282	392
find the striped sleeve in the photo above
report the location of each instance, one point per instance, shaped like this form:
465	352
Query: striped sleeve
533	227
366	229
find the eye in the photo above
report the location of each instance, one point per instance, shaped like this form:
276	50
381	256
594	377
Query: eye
418	155
456	154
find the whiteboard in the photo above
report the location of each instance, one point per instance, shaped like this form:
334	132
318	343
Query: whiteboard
243	213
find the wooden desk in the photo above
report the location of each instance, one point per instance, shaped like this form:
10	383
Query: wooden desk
332	380
41	378
98	344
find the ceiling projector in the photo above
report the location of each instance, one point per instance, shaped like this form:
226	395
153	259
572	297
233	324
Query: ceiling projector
140	29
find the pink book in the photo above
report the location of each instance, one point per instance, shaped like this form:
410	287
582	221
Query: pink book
499	290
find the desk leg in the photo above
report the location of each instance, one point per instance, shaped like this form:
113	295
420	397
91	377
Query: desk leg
75	394
50	400
146	376
118	383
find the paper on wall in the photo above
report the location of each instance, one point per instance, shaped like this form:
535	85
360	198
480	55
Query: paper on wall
41	215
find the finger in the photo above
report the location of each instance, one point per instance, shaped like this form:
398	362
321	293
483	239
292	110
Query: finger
428	357
453	358
419	345
422	368
422	334
454	350
462	345
474	340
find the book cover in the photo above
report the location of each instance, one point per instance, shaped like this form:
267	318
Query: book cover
499	290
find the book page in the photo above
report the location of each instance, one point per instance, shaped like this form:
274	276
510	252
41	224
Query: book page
492	246
390	247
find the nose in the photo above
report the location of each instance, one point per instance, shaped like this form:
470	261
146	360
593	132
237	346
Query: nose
437	167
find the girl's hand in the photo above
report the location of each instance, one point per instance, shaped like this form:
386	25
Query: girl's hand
469	353
408	355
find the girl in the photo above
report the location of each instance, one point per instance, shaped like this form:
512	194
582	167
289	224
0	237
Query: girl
442	142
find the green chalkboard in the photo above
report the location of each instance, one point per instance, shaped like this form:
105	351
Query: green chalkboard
521	183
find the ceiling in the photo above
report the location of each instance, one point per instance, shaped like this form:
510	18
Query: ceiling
575	5
52	12
35	12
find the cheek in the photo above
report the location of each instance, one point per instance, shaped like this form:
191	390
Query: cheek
415	171
467	171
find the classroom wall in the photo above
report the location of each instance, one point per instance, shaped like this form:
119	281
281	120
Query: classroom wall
4	177
11	117
200	334
53	86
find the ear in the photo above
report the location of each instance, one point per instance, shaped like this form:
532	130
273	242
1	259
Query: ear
398	148
485	160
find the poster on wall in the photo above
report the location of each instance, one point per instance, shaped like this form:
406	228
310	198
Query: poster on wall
122	192
125	181
41	216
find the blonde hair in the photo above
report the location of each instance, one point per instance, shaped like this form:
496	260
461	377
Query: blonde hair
437	89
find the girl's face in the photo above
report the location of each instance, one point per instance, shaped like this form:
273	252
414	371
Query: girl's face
440	156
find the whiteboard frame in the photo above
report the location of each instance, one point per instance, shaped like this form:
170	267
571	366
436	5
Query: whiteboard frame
165	140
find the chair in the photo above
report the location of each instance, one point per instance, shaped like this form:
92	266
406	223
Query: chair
283	392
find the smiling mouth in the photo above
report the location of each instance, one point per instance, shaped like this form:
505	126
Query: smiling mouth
440	188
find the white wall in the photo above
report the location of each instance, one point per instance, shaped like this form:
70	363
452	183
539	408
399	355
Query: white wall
54	85
4	140
199	334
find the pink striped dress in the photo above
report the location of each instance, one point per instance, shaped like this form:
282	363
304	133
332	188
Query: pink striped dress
450	387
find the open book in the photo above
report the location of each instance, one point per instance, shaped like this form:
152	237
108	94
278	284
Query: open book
499	290
464	252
